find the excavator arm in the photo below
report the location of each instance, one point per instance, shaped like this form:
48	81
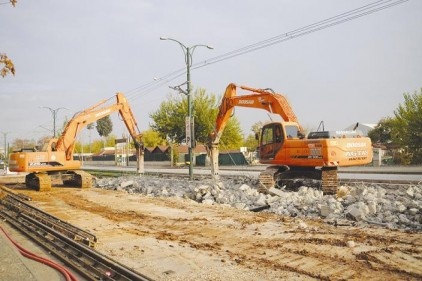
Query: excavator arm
66	142
261	99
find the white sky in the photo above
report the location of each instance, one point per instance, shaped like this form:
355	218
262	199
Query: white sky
75	53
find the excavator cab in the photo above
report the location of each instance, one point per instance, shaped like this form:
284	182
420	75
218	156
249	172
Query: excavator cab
271	141
274	136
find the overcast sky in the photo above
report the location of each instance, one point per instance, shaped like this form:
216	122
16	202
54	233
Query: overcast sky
75	53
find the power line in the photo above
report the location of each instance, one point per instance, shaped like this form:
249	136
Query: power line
299	32
336	20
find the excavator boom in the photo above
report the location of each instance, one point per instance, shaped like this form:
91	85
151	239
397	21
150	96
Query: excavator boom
261	99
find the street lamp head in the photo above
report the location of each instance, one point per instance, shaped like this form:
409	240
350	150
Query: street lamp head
210	47
163	38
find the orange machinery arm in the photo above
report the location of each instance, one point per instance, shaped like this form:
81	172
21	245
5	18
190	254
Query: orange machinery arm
272	102
66	141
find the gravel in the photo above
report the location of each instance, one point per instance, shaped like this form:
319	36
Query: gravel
391	206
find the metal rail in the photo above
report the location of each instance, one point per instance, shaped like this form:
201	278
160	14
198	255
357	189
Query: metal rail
88	262
14	202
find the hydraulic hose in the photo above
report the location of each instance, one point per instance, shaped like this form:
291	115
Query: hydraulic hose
66	273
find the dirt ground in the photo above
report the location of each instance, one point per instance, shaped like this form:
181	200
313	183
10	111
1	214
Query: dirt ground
179	239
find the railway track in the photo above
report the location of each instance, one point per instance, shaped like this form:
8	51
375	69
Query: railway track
73	246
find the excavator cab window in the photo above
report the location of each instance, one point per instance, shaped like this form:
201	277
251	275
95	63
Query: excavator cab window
271	140
267	136
292	131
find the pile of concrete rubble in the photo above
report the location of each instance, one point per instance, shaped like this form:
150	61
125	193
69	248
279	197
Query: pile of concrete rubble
384	205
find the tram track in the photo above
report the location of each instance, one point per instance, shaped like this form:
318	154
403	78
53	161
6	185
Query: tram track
73	246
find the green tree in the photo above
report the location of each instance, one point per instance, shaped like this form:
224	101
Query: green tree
403	131
251	141
408	126
382	133
152	138
104	126
169	120
96	146
256	127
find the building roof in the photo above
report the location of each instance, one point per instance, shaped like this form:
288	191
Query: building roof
363	127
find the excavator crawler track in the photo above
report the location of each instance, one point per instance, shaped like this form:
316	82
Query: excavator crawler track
329	179
43	181
39	182
83	179
294	177
267	179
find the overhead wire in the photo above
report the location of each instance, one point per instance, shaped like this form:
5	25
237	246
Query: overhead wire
336	20
302	31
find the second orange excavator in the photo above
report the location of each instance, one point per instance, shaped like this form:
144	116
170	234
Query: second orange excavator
54	163
292	157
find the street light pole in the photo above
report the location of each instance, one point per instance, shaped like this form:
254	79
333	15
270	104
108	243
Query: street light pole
54	114
188	52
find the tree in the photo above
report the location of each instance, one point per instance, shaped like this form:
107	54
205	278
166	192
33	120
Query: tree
23	143
96	146
408	125
169	120
104	126
403	131
250	141
256	127
8	66
152	138
382	133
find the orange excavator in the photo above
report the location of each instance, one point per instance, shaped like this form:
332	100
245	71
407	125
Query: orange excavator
293	158
54	164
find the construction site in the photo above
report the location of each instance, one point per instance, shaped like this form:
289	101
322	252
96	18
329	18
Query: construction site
203	186
296	215
170	228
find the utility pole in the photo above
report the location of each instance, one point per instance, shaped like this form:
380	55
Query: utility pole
188	52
